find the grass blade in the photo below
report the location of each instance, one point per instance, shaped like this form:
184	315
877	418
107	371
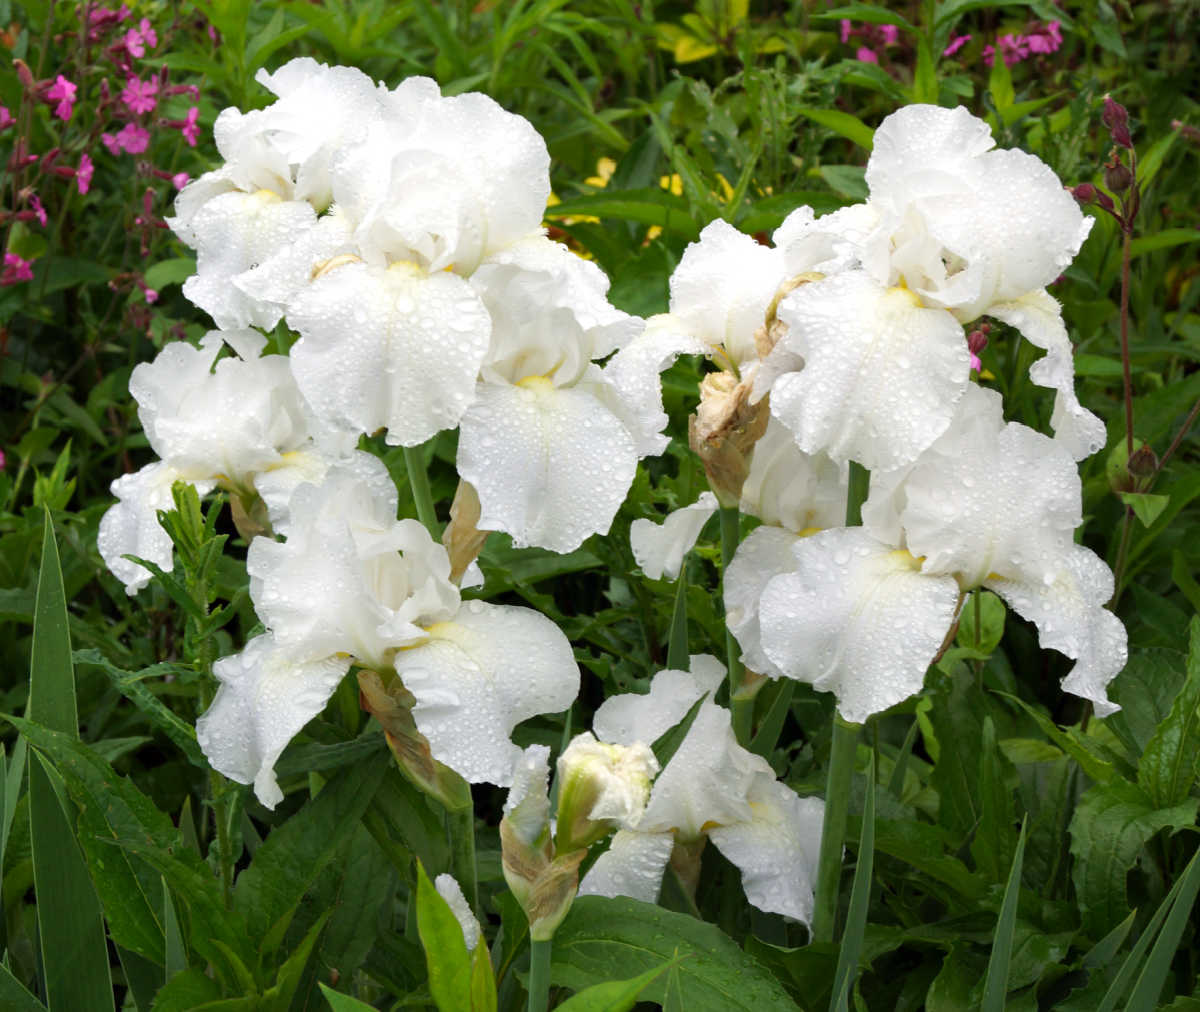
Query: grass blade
70	926
995	984
13	995
860	894
677	646
1154	973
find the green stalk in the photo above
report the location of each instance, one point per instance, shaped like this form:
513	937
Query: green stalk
833	828
418	481
742	710
856	494
460	828
539	974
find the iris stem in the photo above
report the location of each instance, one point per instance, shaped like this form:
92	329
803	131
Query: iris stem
418	481
678	658
833	828
460	828
539	974
741	709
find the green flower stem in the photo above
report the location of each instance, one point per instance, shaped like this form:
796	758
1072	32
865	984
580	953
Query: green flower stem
856	494
742	710
460	828
833	828
418	481
539	974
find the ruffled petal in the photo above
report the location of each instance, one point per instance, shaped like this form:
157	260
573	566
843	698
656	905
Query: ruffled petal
551	465
1068	610
881	375
856	618
479	675
1039	319
659	548
264	700
632	717
392	349
777	849
131	527
632	866
765	554
789	488
527	807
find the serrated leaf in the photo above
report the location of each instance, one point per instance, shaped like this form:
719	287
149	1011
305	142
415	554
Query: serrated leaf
602	939
1111	824
1168	766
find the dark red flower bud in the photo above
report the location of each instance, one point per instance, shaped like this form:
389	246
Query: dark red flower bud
1116	119
977	340
1117	177
1143	463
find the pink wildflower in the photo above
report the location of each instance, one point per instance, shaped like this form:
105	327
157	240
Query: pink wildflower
180	180
2	460
190	128
845	30
83	177
1013	48
1045	39
110	142
133	138
890	34
867	55
136	39
63	92
956	43
6	118
16	270
149	36
35	202
139	95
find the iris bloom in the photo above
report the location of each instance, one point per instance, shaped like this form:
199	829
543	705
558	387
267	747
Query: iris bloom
353	585
713	789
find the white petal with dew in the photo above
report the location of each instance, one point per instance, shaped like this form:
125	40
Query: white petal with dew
632	866
659	548
631	717
448	889
527	807
763	555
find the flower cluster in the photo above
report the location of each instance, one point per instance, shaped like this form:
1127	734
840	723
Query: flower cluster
1040	40
875	38
849	335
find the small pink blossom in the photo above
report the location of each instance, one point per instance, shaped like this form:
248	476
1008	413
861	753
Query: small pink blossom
6	118
139	95
867	55
16	270
1014	49
956	43
35	202
110	142
1045	39
890	34
137	39
191	128
2	460
63	92
133	138
83	177
845	30
180	180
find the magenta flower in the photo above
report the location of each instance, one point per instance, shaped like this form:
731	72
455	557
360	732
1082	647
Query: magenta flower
180	180
83	176
890	34
110	142
16	270
133	138
35	202
139	95
956	43
845	30
6	118
190	128
1044	39
62	91
1013	48
136	39
867	55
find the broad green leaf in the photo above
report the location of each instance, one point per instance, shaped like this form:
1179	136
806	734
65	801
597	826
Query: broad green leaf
483	981
1000	86
186	991
70	926
170	272
445	950
957	719
1083	750
925	83
1168	766
343	1002
985	634
993	845
995	984
646	207
278	997
848	180
849	126
866	12
612	996
286	865
1111	824
925	848
1146	690
603	939
14	996
1146	506
1166	239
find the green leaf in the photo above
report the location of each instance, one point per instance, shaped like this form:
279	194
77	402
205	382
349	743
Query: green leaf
13	995
650	206
343	1002
170	272
993	845
70	926
1168	766
865	12
1000	86
1166	239
985	635
1146	507
186	991
483	982
678	658
286	865
925	83
1154	974
603	939
848	180
995	984
445	950
612	996
850	127
1111	824
1084	751
667	743
1146	690
860	895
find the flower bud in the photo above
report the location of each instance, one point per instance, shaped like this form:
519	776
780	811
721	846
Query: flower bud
25	76
1117	176
600	788
1116	119
1144	463
1087	194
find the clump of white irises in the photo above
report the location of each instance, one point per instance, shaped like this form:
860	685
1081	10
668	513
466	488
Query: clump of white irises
849	335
